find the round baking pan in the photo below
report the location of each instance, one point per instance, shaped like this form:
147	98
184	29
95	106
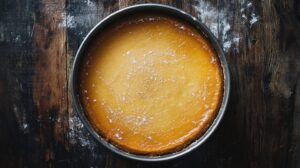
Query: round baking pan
151	8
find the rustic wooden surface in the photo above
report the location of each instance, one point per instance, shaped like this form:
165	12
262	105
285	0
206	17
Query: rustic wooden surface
38	41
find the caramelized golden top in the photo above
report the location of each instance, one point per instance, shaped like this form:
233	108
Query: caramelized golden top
151	84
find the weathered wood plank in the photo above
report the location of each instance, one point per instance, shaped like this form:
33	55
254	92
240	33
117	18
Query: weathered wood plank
33	80
14	83
49	85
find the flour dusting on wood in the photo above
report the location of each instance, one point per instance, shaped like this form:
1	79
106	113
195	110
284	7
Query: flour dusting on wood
67	21
219	21
85	16
21	118
78	134
249	14
79	20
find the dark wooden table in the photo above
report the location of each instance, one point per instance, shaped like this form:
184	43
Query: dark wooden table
38	126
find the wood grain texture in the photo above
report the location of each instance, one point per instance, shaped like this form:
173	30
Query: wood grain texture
38	42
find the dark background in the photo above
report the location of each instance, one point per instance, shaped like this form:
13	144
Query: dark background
38	127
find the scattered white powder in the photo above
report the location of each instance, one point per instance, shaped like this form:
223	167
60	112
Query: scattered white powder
194	122
182	28
213	60
86	16
249	14
138	120
21	118
77	134
206	106
227	44
67	21
254	19
218	21
25	126
249	4
208	14
118	136
17	38
134	61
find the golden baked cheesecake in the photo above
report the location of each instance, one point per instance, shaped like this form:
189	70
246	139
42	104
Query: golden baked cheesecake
150	84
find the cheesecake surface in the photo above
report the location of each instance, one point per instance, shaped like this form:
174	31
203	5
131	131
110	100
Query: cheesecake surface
150	84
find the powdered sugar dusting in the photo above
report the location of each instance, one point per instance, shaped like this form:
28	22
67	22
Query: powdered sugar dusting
118	136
